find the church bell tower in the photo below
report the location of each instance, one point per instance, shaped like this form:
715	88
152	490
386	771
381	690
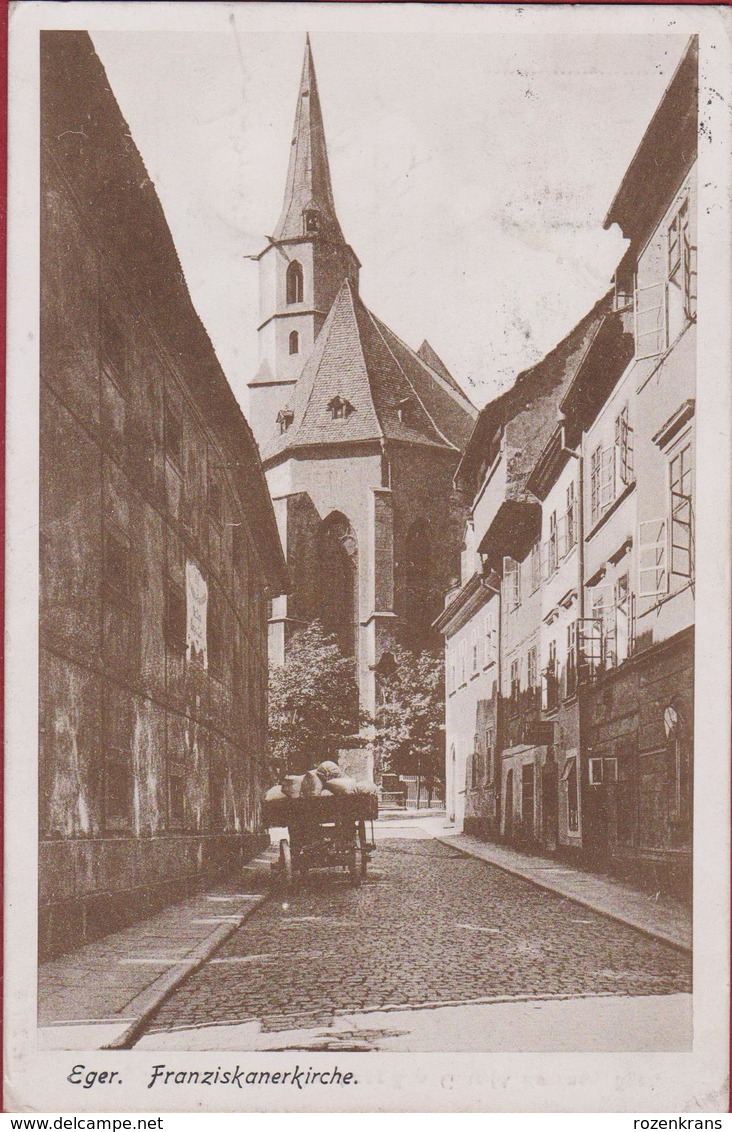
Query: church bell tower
303	266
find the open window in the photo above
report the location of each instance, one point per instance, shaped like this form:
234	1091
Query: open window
681	271
652	558
680	485
512	582
624	447
294	283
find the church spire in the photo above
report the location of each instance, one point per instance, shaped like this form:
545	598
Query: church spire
308	208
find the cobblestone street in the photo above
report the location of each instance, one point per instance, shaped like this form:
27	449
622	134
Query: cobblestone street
430	926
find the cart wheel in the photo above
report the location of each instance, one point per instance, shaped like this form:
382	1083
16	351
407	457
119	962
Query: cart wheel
286	862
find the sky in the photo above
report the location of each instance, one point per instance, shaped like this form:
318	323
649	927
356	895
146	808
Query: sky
471	173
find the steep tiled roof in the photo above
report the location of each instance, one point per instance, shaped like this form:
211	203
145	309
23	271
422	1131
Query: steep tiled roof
444	402
531	404
308	175
431	358
391	392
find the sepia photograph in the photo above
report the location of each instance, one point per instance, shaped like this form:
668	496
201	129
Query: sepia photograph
371	503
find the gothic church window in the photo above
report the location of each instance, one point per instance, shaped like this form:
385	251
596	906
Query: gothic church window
294	342
337	560
294	283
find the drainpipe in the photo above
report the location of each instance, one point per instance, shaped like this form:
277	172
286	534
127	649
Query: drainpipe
581	761
497	786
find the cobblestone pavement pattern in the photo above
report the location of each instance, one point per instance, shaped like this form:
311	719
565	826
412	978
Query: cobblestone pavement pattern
429	926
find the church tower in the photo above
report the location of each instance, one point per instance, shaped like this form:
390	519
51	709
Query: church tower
303	266
360	435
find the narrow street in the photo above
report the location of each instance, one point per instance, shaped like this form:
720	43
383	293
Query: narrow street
436	947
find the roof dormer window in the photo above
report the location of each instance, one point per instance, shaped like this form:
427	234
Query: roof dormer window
340	409
403	408
285	417
312	221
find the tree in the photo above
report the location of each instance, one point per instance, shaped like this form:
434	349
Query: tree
410	722
313	702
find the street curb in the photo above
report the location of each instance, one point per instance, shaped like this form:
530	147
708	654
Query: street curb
409	815
654	933
164	986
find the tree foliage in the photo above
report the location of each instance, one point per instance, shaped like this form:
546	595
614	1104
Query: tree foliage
410	722
313	702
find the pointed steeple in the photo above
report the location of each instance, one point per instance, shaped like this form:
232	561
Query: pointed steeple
308	208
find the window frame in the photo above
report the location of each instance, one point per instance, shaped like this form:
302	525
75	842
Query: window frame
294	283
552	545
532	668
683	448
512	580
515	678
653	575
570	518
595	462
624	444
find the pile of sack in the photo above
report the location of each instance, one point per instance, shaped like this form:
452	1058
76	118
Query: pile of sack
325	780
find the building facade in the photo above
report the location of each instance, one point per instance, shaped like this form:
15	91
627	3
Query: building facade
360	435
158	543
639	725
506	518
583	501
470	624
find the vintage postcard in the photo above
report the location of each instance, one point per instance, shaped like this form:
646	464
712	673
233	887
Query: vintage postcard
368	558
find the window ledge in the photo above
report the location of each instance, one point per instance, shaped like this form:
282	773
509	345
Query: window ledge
627	490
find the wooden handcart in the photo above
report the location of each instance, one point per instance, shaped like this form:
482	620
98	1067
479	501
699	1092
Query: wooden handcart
324	833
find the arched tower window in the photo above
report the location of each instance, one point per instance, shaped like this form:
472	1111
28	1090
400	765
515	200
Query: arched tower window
294	342
419	589
338	580
294	283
